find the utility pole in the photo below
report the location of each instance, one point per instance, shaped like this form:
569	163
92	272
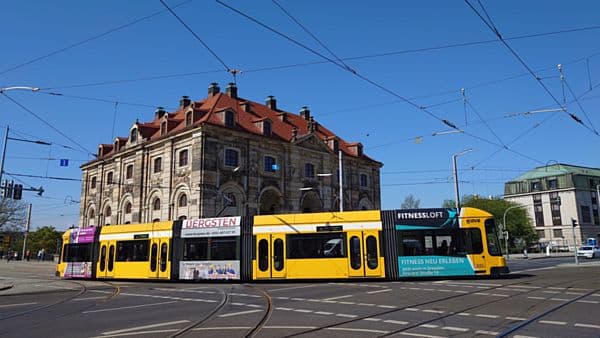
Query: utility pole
26	231
3	153
341	182
456	193
574	224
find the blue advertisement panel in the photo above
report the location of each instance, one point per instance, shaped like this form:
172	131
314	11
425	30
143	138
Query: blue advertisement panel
433	266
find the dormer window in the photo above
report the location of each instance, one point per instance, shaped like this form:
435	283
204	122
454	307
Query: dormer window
267	128
163	128
116	146
229	118
133	136
188	118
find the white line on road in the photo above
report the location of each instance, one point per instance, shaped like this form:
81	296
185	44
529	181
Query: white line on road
489	333
338	297
433	311
419	335
429	326
399	322
588	326
88	298
19	304
355	330
412	309
303	311
453	328
345	315
372	319
531	297
387	306
560	299
293	287
486	316
516	318
238	313
379	291
552	322
588	301
129	307
290	327
145	327
323	313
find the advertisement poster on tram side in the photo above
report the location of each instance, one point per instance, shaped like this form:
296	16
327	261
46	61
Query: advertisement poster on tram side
82	235
432	266
409	219
197	270
211	227
78	270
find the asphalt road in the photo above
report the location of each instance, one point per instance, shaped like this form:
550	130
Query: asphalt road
549	298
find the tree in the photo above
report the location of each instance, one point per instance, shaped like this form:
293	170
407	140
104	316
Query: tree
517	221
12	215
449	203
410	202
46	238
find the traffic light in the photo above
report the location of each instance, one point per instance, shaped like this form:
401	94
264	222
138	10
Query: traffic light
8	189
17	191
4	241
574	221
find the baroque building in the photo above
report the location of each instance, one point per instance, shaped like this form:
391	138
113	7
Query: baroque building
562	201
225	155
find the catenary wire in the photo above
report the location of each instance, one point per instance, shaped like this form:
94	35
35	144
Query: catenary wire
92	38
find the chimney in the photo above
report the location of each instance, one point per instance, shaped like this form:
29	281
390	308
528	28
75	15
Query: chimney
213	89
159	112
185	101
271	102
231	90
305	112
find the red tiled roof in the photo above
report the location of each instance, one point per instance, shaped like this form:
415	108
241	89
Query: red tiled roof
208	111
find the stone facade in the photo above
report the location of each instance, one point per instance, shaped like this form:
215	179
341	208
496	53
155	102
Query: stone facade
225	156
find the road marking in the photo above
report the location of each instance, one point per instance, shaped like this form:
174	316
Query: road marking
323	313
129	307
254	305
523	286
283	308
345	315
372	319
145	327
531	297
221	328
19	304
419	335
244	295
499	295
434	311
387	306
347	303
365	304
282	297
489	333
338	297
88	298
379	291
486	316
588	301
298	299
399	322
429	326
465	283
516	318
552	322
521	336
161	297
186	290
574	293
413	309
551	292
139	333
237	304
555	288
453	328
464	314
355	330
560	299
293	287
588	326
290	327
303	311
238	313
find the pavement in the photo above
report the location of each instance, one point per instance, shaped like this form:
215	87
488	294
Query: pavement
541	255
25	276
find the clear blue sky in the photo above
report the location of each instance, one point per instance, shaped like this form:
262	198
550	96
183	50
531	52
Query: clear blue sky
351	107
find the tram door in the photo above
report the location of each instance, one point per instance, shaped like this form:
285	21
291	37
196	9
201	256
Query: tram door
363	252
159	253
270	256
106	261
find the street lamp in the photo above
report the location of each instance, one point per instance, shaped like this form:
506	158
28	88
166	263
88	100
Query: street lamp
456	194
506	228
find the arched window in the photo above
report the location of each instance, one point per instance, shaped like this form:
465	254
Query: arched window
133	136
108	212
188	118
182	218
128	208
229	200
92	213
156	204
182	200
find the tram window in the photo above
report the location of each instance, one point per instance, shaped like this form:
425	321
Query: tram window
372	259
278	254
443	245
163	257
213	248
77	252
153	255
319	245
133	251
355	253
411	244
492	238
472	241
111	257
103	258
263	255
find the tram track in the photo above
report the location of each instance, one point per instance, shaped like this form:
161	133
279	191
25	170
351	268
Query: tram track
437	318
267	315
210	315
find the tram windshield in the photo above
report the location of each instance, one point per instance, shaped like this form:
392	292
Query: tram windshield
77	252
492	238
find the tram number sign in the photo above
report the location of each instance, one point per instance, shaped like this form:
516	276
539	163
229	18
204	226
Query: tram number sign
329	228
141	236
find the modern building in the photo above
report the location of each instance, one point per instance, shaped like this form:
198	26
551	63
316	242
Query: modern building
555	196
225	155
